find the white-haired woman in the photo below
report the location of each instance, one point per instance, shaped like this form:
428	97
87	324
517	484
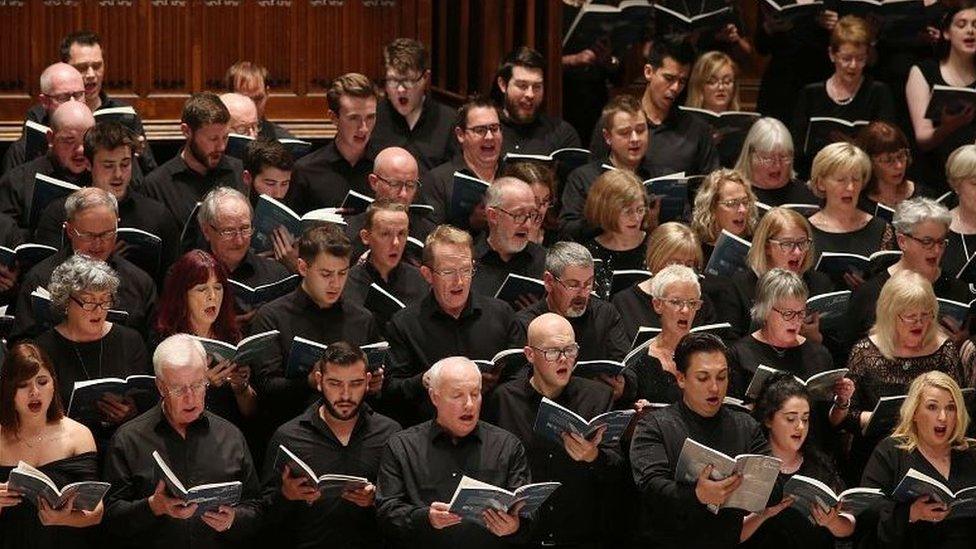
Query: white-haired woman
961	173
766	162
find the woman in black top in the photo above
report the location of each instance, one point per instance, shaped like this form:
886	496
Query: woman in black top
838	176
938	134
961	172
713	86
724	203
784	411
85	345
887	147
766	162
33	429
617	205
848	94
931	439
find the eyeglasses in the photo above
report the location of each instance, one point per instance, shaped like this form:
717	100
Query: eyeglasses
929	243
227	234
92	305
68	96
520	218
407	83
791	314
903	156
482	130
92	237
246	129
734	203
678	304
727	82
576	285
916	318
193	388
399	185
790	245
772	159
463	272
552	355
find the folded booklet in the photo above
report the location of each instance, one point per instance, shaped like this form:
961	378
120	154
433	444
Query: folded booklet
82	406
820	386
553	420
759	474
251	350
33	484
473	497
915	484
330	484
205	496
807	492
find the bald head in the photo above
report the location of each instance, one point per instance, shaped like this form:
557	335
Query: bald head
546	325
60	83
74	115
243	114
69	123
553	334
394	159
394	176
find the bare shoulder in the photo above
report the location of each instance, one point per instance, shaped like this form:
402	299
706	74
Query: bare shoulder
79	437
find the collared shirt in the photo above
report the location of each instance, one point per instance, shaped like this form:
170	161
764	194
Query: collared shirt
438	187
423	333
322	178
343	523
255	271
492	269
136	294
682	143
17	188
179	187
542	135
405	282
599	330
424	464
213	451
419	225
571	514
293	315
431	140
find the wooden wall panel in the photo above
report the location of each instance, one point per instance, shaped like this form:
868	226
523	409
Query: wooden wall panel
169	47
15	63
118	23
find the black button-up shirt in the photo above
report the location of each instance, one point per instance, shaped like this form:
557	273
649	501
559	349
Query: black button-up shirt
438	188
423	333
179	188
293	315
213	451
542	135
571	514
424	464
599	330
343	523
405	283
269	130
322	178
431	140
17	188
492	269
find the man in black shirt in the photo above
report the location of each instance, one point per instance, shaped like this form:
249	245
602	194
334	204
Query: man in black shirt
511	212
243	114
677	515
322	178
394	177
314	311
90	229
527	130
571	515
250	79
65	160
681	142
199	446
422	466
338	435
410	117
201	164
449	321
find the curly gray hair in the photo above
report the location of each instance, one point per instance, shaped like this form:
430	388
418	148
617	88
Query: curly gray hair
80	273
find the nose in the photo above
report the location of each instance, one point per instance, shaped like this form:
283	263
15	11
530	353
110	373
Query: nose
396	240
742	207
943	415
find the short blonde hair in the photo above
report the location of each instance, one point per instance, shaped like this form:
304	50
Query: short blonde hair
669	239
773	223
961	165
852	30
611	193
838	157
767	135
445	235
905	431
904	290
703	215
673	274
706	67
772	287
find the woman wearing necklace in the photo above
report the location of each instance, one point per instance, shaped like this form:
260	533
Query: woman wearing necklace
887	147
33	429
784	410
937	137
84	345
847	94
961	173
930	438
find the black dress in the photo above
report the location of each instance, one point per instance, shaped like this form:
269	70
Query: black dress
874	236
961	247
636	310
20	528
932	162
745	355
652	382
607	261
885	470
745	284
794	192
866	204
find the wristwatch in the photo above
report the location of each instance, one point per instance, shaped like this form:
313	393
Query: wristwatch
840	406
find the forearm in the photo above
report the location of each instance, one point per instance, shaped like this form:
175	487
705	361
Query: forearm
751	523
247	401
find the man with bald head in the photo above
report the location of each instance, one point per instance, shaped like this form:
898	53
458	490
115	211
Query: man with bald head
395	177
64	160
60	83
511	212
570	515
243	114
422	466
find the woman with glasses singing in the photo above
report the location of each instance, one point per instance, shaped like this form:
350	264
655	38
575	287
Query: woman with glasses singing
617	206
85	345
713	86
766	162
887	147
724	203
961	173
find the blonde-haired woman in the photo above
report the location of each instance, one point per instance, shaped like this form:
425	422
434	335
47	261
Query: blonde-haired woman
839	173
766	162
961	173
713	86
724	202
931	439
617	206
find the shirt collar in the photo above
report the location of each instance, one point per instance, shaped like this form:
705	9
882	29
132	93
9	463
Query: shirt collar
432	308
162	425
307	302
436	433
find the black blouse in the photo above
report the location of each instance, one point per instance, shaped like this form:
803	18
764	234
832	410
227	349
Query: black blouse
636	310
613	260
652	382
874	236
932	73
961	247
745	356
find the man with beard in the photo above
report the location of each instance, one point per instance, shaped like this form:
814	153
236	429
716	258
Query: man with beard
520	83
511	212
201	164
569	280
340	434
410	117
